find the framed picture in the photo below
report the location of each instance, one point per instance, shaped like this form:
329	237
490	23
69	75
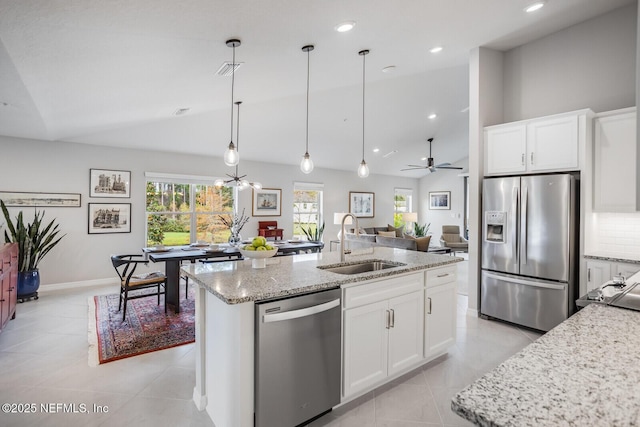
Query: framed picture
68	200
440	200
362	205
267	202
109	183
106	218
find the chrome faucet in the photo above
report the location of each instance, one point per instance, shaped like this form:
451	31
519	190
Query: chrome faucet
342	236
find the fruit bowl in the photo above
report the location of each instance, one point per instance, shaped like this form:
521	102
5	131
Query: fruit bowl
258	258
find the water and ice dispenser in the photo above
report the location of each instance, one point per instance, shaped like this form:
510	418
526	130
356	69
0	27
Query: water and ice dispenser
495	226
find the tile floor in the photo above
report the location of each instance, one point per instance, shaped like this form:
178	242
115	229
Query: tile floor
43	360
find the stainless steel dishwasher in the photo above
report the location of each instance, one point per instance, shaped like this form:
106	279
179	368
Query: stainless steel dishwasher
297	358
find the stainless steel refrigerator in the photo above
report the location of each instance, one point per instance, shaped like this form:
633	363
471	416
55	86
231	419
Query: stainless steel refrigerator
530	249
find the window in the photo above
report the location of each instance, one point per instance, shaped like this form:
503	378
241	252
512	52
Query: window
307	210
182	209
403	199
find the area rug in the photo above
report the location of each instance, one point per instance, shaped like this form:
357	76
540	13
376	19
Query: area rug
146	328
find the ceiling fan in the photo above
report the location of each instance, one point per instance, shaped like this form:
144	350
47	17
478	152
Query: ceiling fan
431	166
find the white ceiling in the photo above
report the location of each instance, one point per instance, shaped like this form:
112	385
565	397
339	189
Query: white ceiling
113	72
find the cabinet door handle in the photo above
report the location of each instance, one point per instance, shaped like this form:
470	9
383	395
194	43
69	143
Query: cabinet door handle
443	275
429	298
522	159
388	319
532	157
393	318
588	274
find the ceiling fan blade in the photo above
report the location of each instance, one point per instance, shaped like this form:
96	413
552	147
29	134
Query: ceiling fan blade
418	166
412	169
449	167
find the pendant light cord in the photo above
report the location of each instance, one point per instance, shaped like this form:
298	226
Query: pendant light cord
237	133
233	79
363	80
307	134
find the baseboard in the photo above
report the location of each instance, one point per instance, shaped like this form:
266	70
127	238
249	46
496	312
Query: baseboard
74	285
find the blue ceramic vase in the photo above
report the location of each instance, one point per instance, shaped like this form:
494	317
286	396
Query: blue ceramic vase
28	282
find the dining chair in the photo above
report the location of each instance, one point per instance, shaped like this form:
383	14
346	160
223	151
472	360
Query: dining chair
125	266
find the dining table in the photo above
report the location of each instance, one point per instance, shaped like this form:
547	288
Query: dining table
173	256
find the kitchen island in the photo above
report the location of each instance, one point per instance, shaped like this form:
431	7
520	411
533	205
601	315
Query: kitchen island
225	318
584	372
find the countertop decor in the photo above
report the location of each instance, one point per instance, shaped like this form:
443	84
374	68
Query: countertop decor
584	372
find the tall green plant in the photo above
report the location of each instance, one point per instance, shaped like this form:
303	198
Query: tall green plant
34	241
313	234
420	230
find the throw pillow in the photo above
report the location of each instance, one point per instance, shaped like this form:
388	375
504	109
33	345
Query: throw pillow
399	231
387	233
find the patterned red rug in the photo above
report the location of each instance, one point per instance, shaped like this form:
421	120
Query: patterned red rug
146	328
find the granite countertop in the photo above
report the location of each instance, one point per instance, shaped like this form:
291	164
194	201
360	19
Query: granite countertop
584	372
609	258
235	282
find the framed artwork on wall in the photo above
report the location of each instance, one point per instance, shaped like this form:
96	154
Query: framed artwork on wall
440	200
362	204
107	218
267	202
109	183
58	200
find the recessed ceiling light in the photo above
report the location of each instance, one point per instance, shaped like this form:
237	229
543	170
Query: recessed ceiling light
423	158
534	6
390	153
464	110
375	150
436	49
432	116
345	26
181	111
389	69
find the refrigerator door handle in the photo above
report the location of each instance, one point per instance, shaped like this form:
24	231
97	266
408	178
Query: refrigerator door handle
525	212
516	192
525	282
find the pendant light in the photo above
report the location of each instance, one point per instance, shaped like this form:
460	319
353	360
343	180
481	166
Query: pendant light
306	165
363	169
236	180
231	156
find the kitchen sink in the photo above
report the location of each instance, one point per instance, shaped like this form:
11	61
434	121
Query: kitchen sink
361	267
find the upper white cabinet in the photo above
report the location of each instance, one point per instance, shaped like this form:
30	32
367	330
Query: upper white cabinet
545	144
614	161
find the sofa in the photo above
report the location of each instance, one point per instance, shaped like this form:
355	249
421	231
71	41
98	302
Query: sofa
388	236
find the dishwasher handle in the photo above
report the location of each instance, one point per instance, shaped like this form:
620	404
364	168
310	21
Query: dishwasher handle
303	312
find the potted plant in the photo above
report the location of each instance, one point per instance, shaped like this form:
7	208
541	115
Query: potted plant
420	230
314	234
34	242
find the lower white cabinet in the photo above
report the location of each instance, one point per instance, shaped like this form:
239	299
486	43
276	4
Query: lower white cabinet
440	310
385	335
598	272
388	330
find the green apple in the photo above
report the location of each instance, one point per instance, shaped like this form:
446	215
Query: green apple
269	247
261	248
259	241
249	248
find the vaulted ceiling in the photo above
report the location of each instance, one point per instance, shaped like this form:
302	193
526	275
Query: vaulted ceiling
114	72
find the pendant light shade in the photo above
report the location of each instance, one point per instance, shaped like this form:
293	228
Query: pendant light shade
231	156
363	169
306	165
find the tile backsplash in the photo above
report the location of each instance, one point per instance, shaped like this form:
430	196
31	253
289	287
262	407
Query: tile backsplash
615	235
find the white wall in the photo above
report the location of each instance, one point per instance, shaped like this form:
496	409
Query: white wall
64	168
589	65
442	180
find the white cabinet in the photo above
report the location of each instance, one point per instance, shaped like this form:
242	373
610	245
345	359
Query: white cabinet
614	182
440	310
383	330
546	144
598	272
505	149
